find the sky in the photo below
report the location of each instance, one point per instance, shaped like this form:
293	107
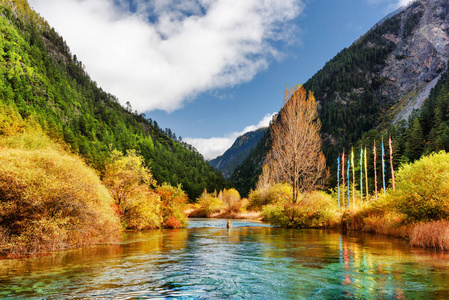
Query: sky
210	70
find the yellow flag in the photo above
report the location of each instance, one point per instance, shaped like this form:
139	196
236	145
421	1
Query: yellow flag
366	175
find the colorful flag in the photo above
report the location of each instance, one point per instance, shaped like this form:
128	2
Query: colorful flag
366	175
338	180
391	162
353	177
375	169
361	175
349	180
383	165
343	177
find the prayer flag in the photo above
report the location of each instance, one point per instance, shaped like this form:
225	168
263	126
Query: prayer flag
338	180
366	175
375	168
383	165
391	162
353	177
361	175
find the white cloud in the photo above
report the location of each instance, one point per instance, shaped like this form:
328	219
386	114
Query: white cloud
404	2
215	146
393	3
169	51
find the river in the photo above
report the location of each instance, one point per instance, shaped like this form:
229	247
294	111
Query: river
250	261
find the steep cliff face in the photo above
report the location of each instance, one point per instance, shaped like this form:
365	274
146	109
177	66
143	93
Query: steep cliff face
390	69
379	80
420	55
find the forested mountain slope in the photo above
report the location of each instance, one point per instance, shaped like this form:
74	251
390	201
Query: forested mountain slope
40	77
379	79
240	150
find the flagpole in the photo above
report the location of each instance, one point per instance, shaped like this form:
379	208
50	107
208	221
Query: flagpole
375	168
353	177
349	183
383	165
343	177
366	175
338	180
391	162
361	175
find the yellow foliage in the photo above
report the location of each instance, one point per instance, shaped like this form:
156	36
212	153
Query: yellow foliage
143	212
277	193
129	182
174	201
51	200
422	188
208	205
231	199
318	209
11	121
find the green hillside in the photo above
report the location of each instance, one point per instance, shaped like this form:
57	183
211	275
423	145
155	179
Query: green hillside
363	86
40	77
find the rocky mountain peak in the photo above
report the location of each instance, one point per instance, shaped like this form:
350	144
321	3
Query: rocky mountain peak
420	55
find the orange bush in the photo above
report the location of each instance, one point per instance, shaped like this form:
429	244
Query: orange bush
51	200
431	235
174	201
129	182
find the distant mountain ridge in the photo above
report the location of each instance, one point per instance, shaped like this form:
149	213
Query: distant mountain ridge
238	152
375	82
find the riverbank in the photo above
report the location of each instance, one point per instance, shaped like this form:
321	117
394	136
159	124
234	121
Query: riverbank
193	211
417	209
249	261
426	234
374	216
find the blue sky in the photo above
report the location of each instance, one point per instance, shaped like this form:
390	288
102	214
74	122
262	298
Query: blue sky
208	69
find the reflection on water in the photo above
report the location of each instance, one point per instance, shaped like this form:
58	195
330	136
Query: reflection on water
251	260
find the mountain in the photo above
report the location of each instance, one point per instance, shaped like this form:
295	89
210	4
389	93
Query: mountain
42	80
375	82
237	153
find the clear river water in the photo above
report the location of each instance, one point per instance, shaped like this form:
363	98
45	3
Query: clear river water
249	261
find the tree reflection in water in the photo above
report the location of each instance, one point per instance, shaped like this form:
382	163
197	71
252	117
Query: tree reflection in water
250	260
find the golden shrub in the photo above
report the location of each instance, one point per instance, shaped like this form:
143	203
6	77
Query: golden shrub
422	189
51	200
231	199
208	205
129	182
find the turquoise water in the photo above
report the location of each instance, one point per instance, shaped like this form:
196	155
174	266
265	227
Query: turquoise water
249	261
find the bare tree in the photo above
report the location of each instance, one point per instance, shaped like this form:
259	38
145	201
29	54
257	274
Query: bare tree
296	156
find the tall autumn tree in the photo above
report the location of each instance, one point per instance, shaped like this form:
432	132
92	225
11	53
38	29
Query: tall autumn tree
296	156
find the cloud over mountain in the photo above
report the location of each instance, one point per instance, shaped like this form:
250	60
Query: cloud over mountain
215	146
160	54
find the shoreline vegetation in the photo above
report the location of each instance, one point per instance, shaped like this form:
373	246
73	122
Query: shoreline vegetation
417	210
51	200
64	183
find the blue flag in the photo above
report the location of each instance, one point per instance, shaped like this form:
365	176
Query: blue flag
338	179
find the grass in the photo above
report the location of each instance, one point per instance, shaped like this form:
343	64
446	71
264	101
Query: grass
50	200
430	235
